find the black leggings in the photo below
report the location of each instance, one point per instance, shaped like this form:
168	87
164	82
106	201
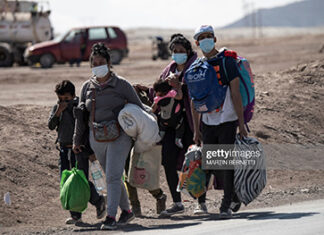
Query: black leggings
172	158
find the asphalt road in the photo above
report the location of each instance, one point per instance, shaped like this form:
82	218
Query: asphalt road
295	219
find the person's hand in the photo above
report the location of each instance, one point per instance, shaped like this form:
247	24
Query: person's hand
92	158
173	80
77	149
242	131
197	138
62	105
139	87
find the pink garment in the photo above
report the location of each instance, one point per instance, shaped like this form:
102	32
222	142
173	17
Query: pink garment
170	94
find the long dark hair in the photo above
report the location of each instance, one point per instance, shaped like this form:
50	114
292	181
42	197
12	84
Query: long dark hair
181	40
100	49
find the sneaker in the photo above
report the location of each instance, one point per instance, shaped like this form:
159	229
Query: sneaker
126	217
72	220
136	209
101	207
160	204
201	209
178	142
235	206
109	224
227	214
175	209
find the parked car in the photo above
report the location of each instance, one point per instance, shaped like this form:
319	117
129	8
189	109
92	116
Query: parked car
75	46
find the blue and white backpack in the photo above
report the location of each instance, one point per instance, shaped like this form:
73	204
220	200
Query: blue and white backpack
207	88
206	91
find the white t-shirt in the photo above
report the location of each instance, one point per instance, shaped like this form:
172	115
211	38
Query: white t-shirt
226	114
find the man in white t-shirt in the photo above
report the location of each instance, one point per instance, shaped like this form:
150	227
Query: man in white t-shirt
219	126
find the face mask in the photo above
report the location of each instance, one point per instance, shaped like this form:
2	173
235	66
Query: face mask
180	58
207	44
71	103
100	71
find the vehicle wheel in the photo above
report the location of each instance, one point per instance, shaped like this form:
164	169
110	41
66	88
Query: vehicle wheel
6	58
116	56
46	60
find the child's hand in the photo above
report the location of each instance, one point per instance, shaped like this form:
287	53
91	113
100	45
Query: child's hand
77	149
63	105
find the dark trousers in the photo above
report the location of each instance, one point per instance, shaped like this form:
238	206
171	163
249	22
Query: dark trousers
222	134
172	157
67	162
178	125
132	191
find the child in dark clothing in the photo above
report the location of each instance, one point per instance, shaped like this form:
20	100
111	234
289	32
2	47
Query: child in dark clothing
171	109
62	119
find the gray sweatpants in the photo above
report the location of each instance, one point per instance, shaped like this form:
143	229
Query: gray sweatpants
112	157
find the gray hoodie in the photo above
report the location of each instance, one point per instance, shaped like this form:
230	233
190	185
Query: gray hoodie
64	124
110	99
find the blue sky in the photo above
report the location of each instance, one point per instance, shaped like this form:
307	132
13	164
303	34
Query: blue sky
182	14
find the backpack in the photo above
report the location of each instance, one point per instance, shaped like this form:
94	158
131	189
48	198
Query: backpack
206	90
247	89
192	179
200	91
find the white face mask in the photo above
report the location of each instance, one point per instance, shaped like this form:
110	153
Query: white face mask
100	71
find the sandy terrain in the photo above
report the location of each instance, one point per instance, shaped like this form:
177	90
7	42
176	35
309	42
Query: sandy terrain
289	116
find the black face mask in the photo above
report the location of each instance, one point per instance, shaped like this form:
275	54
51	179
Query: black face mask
72	103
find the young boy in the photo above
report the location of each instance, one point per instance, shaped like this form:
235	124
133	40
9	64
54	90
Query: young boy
219	126
62	119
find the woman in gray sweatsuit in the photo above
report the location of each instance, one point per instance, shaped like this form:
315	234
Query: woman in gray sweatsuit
111	94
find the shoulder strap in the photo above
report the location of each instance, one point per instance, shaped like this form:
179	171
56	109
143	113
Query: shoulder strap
93	105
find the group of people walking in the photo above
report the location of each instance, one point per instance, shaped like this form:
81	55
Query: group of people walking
106	93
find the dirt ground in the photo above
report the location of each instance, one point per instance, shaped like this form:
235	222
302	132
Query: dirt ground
289	121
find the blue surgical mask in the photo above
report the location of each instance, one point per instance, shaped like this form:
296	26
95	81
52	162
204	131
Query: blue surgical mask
180	58
100	71
207	44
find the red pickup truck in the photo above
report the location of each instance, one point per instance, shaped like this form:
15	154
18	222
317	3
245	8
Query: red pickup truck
75	46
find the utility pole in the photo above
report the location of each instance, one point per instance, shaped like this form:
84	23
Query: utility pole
260	26
245	6
254	19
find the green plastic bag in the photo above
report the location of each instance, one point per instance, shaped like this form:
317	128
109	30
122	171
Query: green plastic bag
74	190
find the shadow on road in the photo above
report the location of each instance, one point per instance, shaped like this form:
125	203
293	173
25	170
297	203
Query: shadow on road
133	227
272	215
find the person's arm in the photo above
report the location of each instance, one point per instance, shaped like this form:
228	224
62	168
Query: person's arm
237	102
131	95
53	120
154	107
196	124
234	84
179	94
80	125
